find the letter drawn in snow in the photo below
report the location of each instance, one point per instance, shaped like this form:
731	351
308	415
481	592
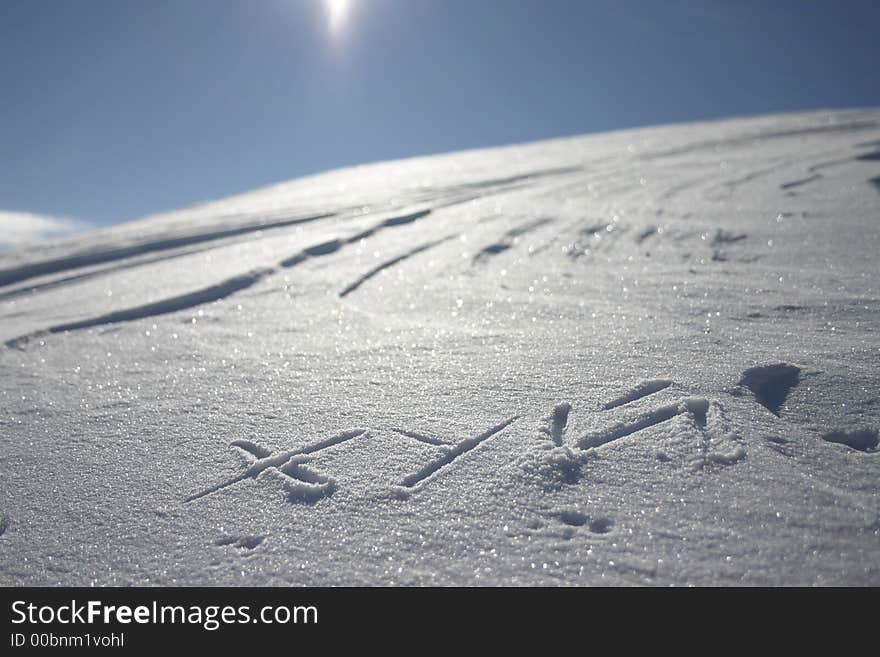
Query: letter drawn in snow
302	483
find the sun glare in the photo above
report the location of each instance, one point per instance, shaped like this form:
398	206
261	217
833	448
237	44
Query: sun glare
337	12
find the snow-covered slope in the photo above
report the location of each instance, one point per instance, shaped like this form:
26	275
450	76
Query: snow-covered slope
643	357
19	228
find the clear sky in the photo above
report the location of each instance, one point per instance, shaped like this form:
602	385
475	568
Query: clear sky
112	109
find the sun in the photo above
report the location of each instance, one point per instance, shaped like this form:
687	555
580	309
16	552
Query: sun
338	12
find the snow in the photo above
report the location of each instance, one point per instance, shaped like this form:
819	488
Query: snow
641	357
19	228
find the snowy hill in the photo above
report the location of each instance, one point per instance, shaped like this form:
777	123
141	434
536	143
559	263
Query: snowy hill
642	357
20	228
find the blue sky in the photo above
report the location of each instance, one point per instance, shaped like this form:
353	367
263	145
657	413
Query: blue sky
112	109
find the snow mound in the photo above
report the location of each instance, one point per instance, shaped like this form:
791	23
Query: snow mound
641	357
20	228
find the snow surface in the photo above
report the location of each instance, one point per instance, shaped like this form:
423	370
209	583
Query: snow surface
642	357
18	228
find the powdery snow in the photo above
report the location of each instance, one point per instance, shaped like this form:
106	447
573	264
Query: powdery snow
642	357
